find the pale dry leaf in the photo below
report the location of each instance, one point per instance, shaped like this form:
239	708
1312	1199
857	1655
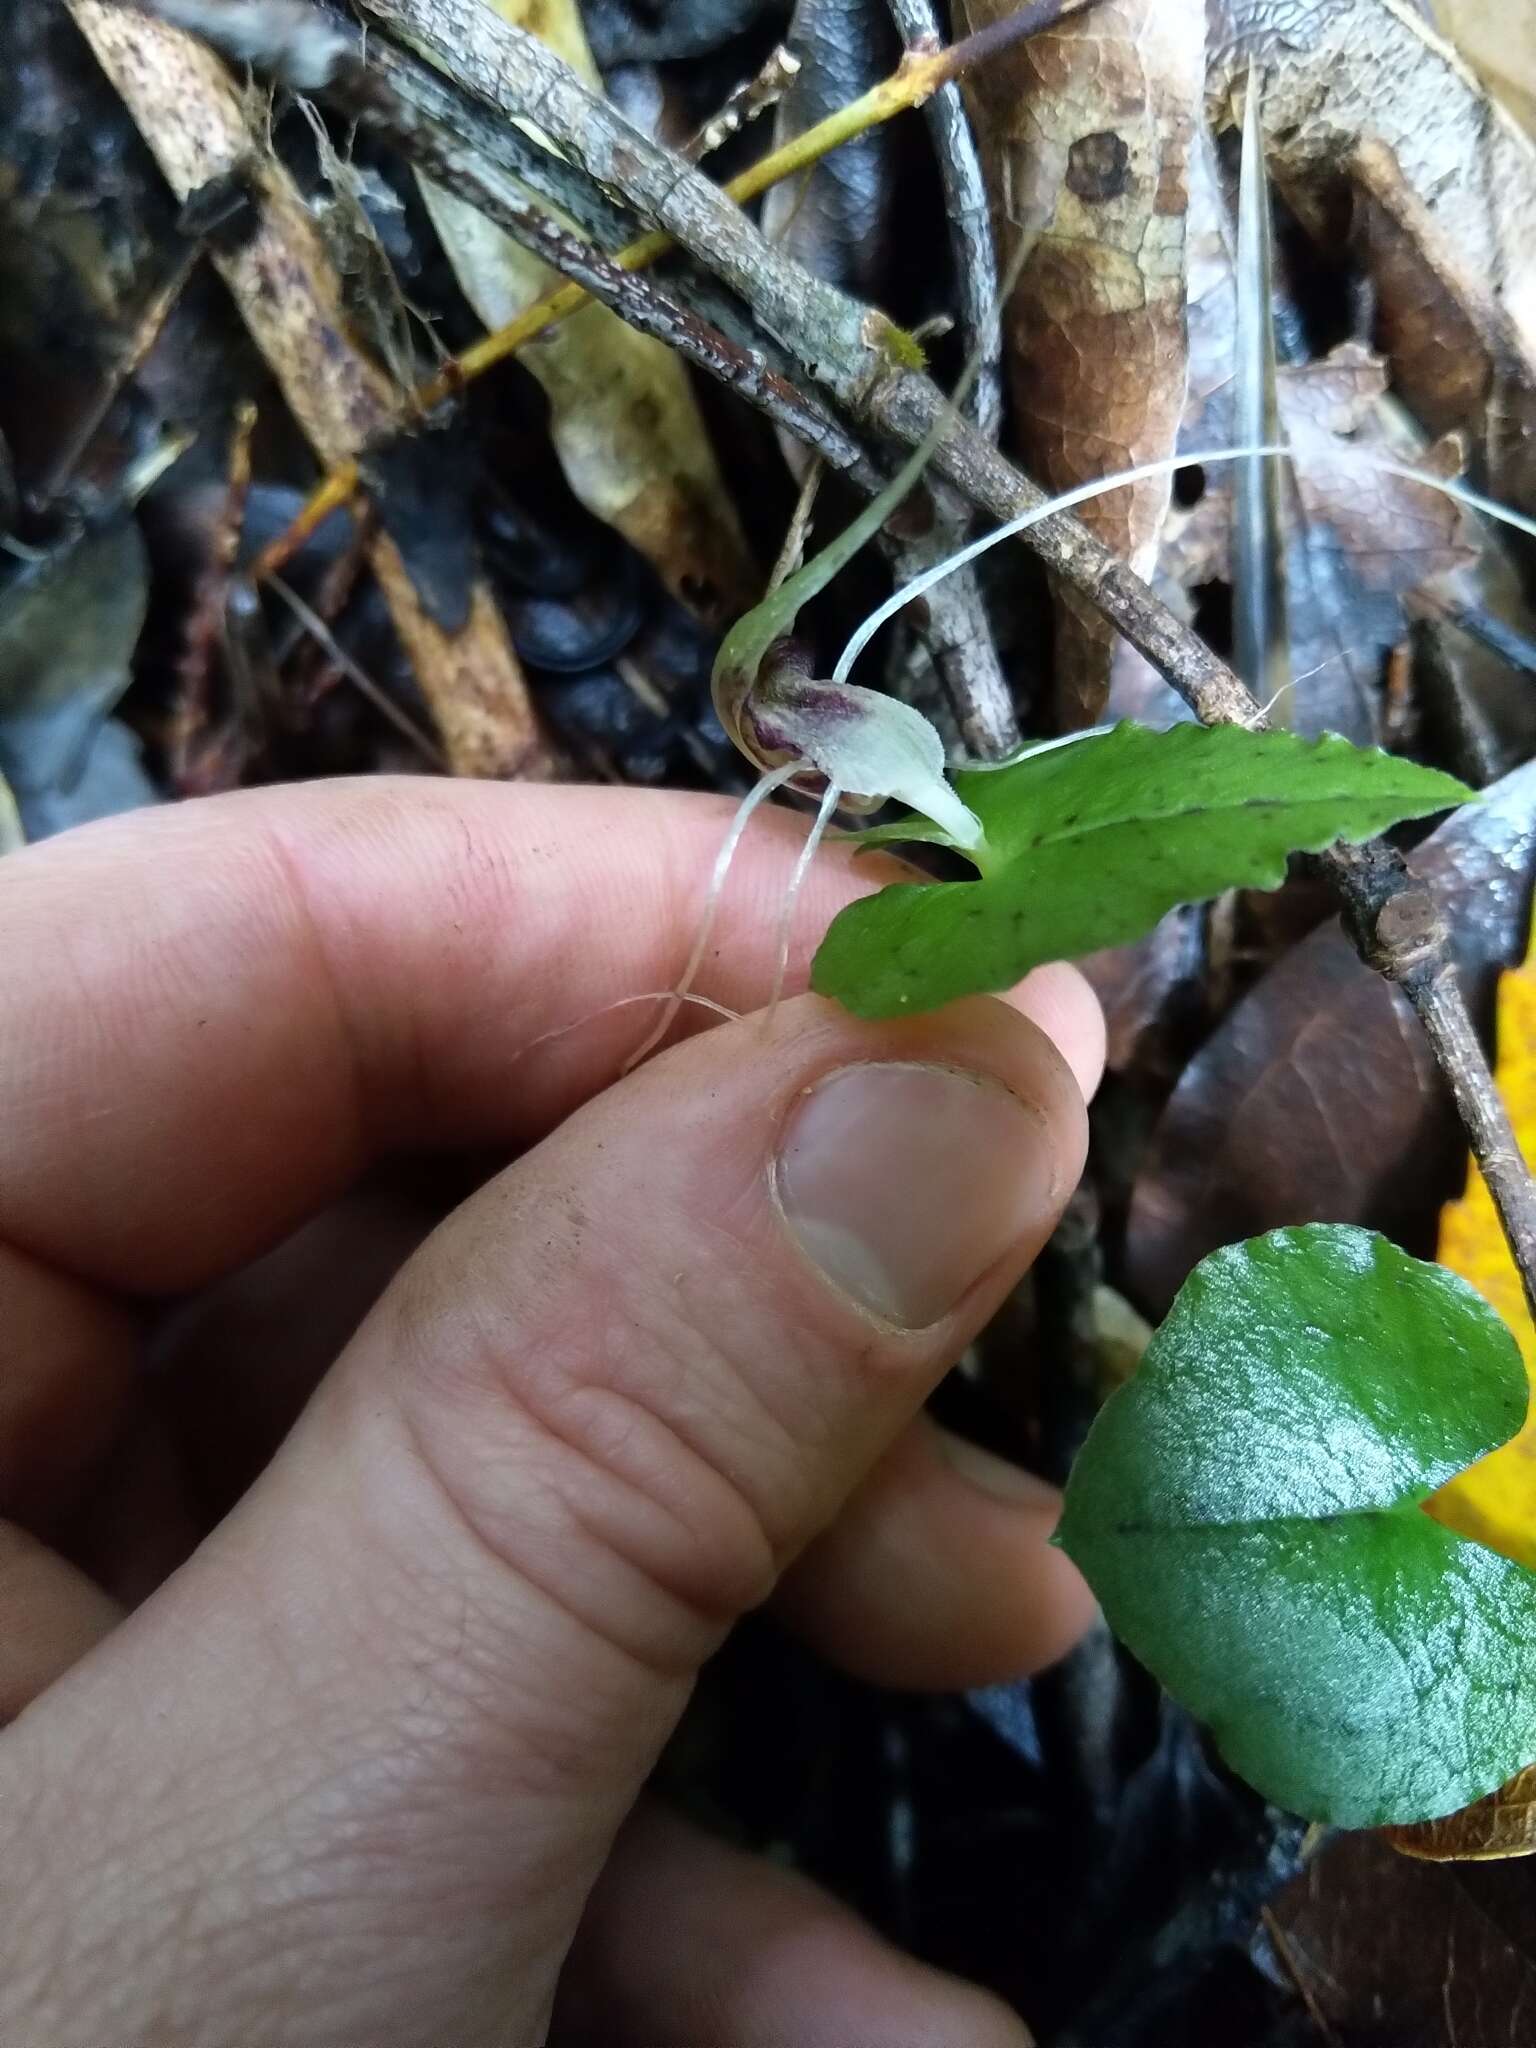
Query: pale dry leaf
1087	131
1364	95
623	416
1499	41
1395	532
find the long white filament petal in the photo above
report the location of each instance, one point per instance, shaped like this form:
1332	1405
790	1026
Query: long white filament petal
650	995
766	784
1079	496
802	868
1198	459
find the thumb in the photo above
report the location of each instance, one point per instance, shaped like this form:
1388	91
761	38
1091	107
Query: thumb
380	1731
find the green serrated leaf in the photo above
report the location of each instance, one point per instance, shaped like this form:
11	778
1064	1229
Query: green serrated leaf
1248	1511
1088	845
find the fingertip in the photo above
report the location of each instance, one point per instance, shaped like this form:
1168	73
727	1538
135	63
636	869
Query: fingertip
939	1574
751	1954
1061	1001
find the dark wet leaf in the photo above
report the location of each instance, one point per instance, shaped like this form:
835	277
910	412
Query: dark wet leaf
68	628
837	219
1248	1511
423	485
1149	989
1317	1098
585	630
1394	1954
639	31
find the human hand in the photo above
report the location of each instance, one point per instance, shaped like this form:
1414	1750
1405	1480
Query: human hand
353	1767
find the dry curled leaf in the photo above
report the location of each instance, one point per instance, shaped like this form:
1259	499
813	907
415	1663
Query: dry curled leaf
1356	541
1087	131
1364	96
622	413
1487	1831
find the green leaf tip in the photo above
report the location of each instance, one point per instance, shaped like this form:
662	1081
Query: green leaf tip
1248	1511
1088	845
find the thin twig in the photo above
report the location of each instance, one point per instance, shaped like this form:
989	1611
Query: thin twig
754	96
150	326
1281	1944
970	223
792	553
358	676
958	633
205	623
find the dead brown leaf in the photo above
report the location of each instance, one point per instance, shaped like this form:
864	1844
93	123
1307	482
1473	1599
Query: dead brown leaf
1392	1955
1396	533
1357	541
1316	1099
1488	1831
1087	131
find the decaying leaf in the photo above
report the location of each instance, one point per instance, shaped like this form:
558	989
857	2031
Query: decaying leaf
1496	1500
1389	1954
1317	1097
1357	540
622	413
1087	131
1487	1831
1364	96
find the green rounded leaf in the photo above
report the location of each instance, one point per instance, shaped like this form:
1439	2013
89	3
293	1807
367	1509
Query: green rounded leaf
1087	845
1248	1511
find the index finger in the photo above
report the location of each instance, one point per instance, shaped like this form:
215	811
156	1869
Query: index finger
218	1013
